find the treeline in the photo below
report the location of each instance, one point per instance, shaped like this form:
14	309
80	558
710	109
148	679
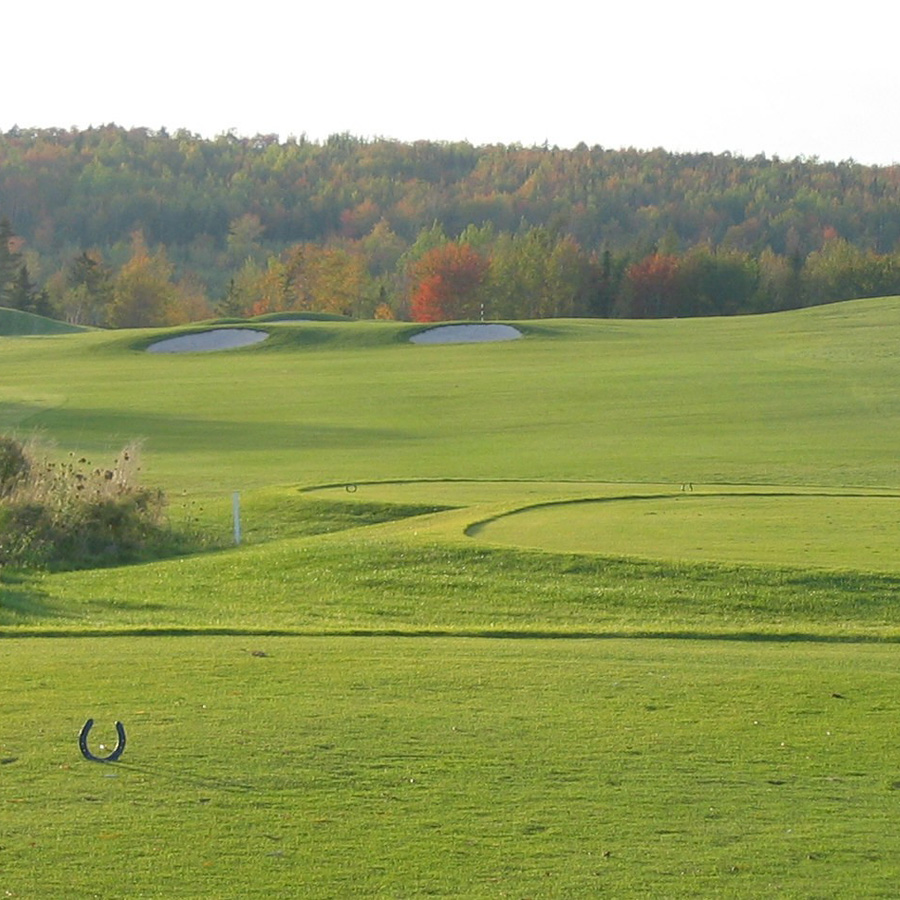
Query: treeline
121	227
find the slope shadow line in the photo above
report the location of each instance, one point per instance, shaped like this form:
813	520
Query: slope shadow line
438	633
472	529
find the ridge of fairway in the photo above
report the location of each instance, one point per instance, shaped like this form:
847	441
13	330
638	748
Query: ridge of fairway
833	530
826	528
422	573
301	332
16	323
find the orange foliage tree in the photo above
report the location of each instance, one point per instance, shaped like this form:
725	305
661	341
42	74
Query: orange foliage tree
651	287
143	290
326	279
446	283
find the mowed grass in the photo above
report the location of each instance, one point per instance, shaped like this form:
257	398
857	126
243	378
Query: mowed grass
830	531
323	767
389	582
362	700
796	398
16	322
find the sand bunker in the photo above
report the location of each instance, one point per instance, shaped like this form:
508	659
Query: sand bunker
467	334
206	341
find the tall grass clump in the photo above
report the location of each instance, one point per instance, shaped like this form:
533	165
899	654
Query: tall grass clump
72	515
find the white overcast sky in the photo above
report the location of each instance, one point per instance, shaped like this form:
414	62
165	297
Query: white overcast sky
788	78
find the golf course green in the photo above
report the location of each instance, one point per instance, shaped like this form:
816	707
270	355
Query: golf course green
608	609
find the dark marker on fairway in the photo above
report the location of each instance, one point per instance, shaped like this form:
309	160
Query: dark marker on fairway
116	753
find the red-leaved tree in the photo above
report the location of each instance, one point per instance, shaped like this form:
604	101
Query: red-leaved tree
446	284
651	287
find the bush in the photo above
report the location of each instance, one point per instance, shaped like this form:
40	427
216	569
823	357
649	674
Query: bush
74	515
13	464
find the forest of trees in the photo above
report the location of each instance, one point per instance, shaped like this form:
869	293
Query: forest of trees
120	228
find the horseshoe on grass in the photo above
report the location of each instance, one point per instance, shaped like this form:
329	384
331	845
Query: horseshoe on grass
117	752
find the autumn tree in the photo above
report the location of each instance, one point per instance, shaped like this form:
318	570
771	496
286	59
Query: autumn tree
778	284
650	287
382	248
570	280
254	289
190	302
143	291
517	279
269	289
840	271
326	279
427	239
360	219
447	284
534	274
232	304
608	272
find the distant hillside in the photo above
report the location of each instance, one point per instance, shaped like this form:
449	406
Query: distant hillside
253	225
14	322
91	188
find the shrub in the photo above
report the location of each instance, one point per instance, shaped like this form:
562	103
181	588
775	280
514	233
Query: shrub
75	515
13	464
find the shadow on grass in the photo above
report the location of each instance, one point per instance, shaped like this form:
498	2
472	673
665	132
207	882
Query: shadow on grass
21	600
475	528
462	634
195	781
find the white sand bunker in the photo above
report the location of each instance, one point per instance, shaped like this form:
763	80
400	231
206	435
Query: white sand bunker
205	341
467	334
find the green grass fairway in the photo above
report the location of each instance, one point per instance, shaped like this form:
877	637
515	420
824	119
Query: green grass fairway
481	639
468	768
805	398
830	531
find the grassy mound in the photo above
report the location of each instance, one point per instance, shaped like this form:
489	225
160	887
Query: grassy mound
15	322
293	316
756	526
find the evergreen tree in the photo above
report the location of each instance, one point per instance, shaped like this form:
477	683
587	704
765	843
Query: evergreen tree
24	295
10	262
89	290
604	295
232	305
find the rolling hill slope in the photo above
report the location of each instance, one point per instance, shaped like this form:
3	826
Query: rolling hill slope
16	322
